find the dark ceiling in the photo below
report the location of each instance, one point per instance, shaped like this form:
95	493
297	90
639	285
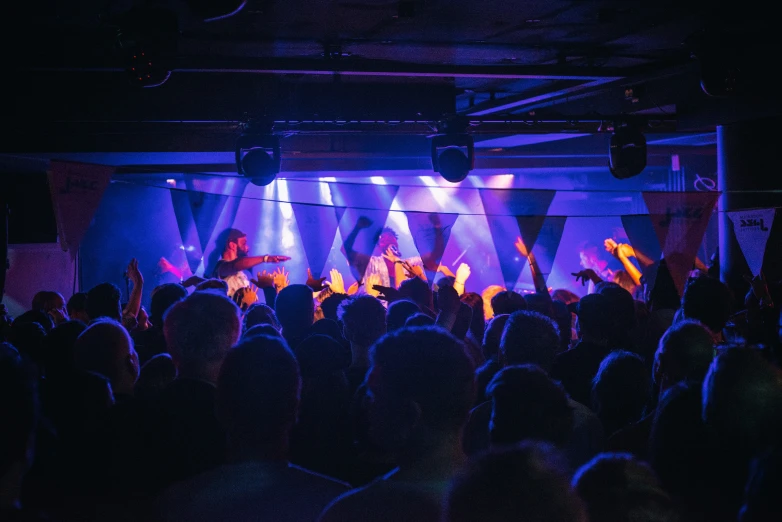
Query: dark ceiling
513	68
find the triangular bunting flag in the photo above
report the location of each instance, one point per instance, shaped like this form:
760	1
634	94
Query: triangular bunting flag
547	243
364	217
317	228
76	189
516	202
431	232
188	232
505	231
206	211
680	220
642	237
752	228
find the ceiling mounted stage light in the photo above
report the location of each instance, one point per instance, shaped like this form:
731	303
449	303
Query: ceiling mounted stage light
258	156
453	155
627	151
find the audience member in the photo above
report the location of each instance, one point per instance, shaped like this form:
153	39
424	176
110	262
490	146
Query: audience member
106	348
524	482
363	321
421	388
620	390
257	401
399	312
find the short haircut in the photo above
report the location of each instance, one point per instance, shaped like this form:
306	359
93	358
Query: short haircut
103	300
429	366
213	284
399	312
163	298
97	347
594	317
492	335
330	305
742	399
615	488
419	319
709	301
507	302
47	300
201	328
295	308
260	313
363	318
523	482
530	338
258	391
417	290
621	388
77	303
689	346
527	404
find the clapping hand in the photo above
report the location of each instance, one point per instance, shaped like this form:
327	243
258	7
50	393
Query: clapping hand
315	284
337	284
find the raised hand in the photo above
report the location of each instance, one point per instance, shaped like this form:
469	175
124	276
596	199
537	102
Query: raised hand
315	284
390	255
280	279
134	274
585	276
264	280
371	282
250	296
759	287
611	246
413	270
624	250
353	289
521	247
337	284
462	273
363	222
386	293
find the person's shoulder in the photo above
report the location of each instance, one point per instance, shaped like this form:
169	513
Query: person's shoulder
383	500
311	478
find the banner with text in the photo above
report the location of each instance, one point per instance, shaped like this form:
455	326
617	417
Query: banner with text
431	232
680	220
752	228
76	189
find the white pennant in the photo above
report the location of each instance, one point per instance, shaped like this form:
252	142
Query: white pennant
752	228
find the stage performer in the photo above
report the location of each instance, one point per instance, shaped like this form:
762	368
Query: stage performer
234	262
388	264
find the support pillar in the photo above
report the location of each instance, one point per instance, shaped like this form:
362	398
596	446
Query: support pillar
749	174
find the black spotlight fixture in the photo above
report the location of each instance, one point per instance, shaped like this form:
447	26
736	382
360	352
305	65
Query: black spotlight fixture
453	151
258	154
627	151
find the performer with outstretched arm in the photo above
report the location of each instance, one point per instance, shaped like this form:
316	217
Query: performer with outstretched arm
234	262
